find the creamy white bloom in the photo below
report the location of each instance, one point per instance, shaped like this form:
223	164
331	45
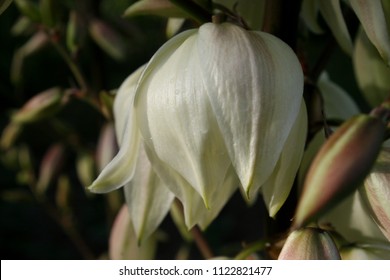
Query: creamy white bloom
217	108
216	97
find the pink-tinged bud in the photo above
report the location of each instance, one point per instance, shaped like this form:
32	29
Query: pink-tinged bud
309	244
340	166
106	147
40	106
108	39
123	244
50	166
376	192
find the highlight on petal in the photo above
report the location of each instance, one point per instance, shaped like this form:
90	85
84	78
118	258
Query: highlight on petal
255	97
175	117
148	199
277	188
372	17
123	242
331	11
371	72
121	169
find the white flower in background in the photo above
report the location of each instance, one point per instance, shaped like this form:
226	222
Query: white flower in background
217	107
371	72
371	14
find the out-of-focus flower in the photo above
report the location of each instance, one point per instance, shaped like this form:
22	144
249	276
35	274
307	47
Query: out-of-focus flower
309	244
216	107
372	73
376	191
371	14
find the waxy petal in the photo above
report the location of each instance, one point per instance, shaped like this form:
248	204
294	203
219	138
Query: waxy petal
121	169
254	82
340	166
176	119
373	20
148	199
195	211
278	186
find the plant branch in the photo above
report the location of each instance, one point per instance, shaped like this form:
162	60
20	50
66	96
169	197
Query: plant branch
201	243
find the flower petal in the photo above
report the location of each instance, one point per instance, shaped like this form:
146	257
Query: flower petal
176	119
373	20
121	169
255	83
337	103
148	199
372	73
278	186
331	11
195	211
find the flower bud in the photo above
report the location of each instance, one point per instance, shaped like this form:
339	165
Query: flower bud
108	39
40	106
340	166
376	192
163	8
309	244
50	166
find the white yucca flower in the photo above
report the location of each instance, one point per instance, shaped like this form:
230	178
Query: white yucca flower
215	108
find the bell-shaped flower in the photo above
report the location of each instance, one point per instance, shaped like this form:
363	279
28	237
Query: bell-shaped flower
217	107
222	99
148	198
